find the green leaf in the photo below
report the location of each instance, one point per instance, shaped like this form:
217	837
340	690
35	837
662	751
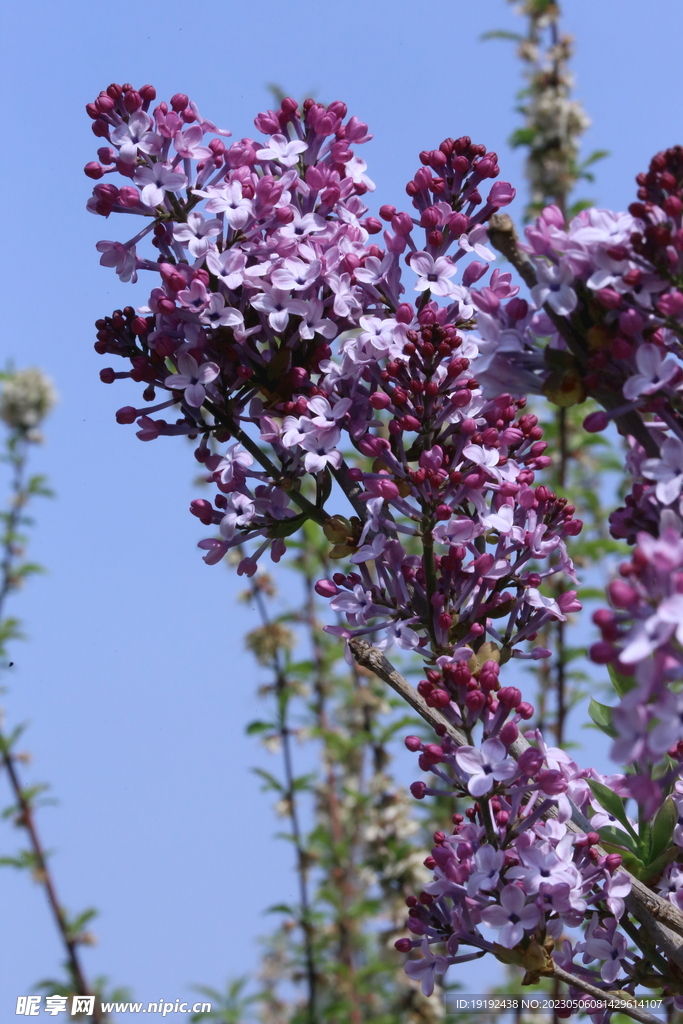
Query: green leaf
256	727
597	154
283	528
621	683
616	839
612	803
522	137
578	206
501	33
632	863
280	908
602	716
653	870
663	829
303	782
270	782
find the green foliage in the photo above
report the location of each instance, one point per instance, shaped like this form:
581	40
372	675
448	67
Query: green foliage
233	1006
612	803
601	715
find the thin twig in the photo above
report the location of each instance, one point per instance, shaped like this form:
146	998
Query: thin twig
342	871
18	448
27	821
305	922
604	996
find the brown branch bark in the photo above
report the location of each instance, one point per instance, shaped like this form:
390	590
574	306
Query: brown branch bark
599	993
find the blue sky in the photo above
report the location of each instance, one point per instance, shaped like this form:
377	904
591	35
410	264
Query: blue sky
135	683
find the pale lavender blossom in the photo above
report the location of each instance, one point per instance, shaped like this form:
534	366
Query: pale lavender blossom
668	470
513	917
433	274
192	378
196	233
426	968
555	287
486	766
282	150
157	180
655	371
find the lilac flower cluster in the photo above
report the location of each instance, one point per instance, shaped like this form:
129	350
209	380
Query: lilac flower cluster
508	880
238	334
617	280
283	338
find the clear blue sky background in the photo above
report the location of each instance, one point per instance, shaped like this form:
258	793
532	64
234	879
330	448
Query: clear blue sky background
135	683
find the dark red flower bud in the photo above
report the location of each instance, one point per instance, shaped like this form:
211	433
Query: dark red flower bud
127	414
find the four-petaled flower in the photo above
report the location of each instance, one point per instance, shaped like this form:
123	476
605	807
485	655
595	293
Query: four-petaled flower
486	766
116	255
425	969
555	287
667	471
513	917
357	605
240	510
157	180
218	314
192	378
473	241
488	865
655	371
228	200
136	135
434	274
196	233
280	149
610	949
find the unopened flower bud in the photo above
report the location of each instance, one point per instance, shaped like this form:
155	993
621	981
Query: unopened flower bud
326	588
475	700
509	733
438	698
509	697
402	224
552	782
179	102
473	271
502	194
530	761
595	422
621	594
132	101
433	753
93	170
631	321
602	653
203	510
